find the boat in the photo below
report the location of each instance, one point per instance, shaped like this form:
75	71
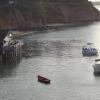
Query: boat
89	50
43	79
10	48
96	67
10	44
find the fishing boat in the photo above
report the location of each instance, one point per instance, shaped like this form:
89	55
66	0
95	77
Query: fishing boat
10	49
89	50
10	44
43	79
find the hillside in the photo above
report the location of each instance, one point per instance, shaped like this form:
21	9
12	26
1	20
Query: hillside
33	14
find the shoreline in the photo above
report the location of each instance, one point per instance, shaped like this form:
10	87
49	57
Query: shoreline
57	26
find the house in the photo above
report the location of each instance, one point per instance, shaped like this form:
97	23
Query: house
7	2
12	2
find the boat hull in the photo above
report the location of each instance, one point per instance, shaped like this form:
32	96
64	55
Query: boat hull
43	80
84	53
89	52
96	68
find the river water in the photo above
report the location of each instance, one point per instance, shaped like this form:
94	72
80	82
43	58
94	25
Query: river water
56	55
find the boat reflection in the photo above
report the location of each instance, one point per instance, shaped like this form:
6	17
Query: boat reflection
8	69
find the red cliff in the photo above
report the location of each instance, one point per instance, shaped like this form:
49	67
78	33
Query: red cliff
72	12
59	11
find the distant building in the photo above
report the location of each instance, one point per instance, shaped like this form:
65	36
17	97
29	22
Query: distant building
8	2
12	2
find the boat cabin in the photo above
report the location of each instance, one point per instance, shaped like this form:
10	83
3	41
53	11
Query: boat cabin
7	39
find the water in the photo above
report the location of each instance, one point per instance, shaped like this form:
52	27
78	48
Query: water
56	55
98	7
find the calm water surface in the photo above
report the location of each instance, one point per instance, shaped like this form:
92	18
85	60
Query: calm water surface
56	55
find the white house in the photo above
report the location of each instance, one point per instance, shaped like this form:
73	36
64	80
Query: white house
12	2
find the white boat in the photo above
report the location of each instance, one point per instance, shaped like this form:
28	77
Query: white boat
10	44
89	50
96	67
7	39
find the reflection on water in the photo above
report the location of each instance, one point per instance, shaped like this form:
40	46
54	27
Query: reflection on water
50	48
8	68
32	49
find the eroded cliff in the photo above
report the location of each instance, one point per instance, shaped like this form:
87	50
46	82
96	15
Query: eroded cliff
31	14
72	12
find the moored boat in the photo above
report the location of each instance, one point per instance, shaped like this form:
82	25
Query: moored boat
10	49
43	79
96	67
89	50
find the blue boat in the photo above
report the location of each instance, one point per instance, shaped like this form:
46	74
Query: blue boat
89	50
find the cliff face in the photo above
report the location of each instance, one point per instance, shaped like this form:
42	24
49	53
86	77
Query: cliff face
58	11
72	12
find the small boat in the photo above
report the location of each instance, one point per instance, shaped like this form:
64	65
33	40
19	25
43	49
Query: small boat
43	79
10	44
96	67
89	50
